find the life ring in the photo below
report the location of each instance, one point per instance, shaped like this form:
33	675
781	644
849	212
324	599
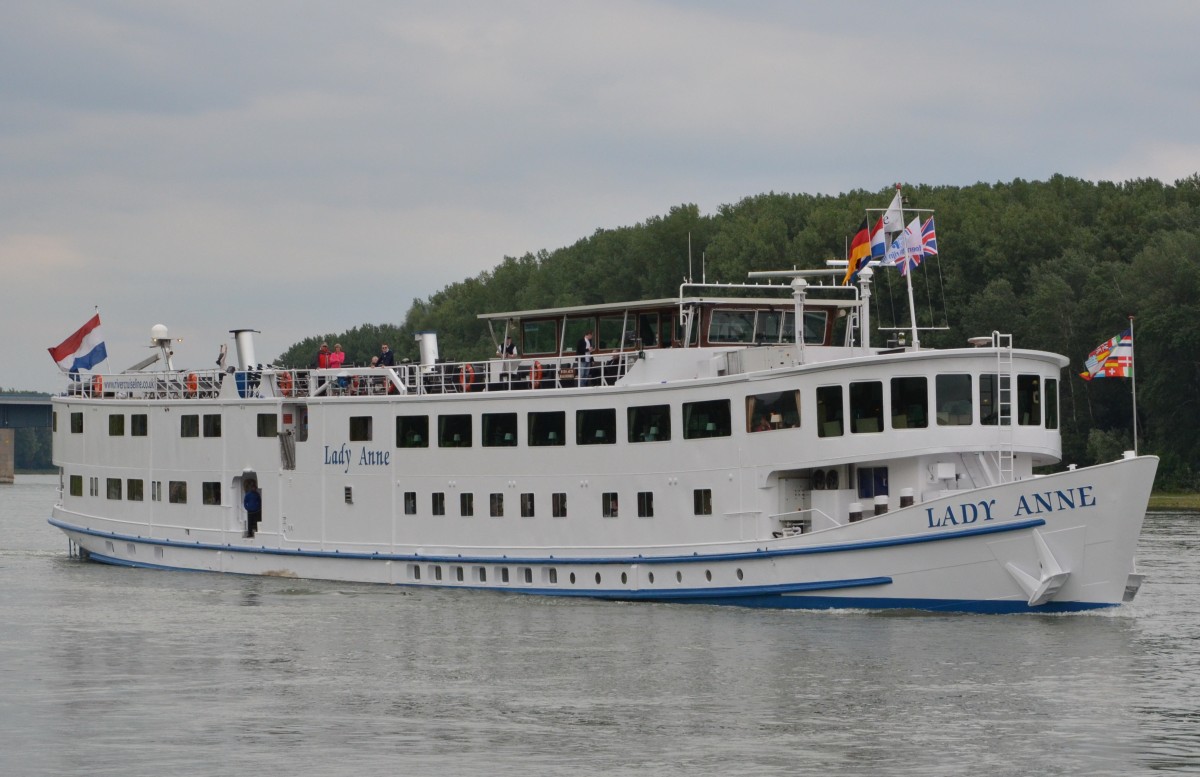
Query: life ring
537	374
466	377
284	380
193	384
97	386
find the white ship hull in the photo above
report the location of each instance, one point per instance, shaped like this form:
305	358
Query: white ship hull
994	550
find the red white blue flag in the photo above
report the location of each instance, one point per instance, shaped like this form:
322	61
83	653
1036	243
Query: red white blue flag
82	350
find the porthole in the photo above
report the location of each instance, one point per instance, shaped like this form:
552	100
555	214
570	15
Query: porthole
597	578
739	574
624	578
572	578
708	575
678	576
650	577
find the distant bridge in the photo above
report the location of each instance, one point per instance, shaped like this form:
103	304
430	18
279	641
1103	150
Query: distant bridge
19	412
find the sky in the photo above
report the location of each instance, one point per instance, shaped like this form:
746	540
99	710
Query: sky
304	168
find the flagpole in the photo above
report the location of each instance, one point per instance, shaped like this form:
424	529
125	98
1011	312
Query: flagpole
1133	383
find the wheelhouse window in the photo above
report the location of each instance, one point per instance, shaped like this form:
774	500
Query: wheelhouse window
573	331
777	410
189	426
412	431
1029	400
989	399
499	430
910	403
268	425
116	426
612	333
360	428
649	423
731	326
454	431
648	330
1051	403
596	427
212	425
866	407
538	337
138	425
706	419
953	400
547	428
829	411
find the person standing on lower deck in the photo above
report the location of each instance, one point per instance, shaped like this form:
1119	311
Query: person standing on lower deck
252	501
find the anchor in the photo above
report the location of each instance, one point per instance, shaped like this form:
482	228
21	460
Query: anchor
1052	576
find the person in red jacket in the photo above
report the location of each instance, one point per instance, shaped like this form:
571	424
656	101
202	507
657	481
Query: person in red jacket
323	357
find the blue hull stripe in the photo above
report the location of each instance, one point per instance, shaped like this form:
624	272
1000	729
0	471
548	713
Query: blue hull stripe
759	554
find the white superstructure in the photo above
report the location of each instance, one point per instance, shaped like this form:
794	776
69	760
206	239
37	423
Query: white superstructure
716	457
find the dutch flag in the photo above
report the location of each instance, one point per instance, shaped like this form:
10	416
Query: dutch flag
82	350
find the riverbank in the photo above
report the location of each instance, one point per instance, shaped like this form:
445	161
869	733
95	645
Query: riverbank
1174	502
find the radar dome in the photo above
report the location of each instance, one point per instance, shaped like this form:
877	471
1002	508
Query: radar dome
159	332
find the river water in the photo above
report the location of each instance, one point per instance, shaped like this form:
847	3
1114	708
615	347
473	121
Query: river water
117	671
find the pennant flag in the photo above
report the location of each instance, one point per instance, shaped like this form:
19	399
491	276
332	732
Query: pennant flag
860	252
82	350
893	219
1113	359
928	238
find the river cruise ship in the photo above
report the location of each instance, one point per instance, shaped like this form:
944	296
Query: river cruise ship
740	444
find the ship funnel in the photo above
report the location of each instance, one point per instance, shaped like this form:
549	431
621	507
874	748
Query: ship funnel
244	338
427	343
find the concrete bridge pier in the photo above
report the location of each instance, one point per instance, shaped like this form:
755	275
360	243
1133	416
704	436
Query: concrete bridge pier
8	438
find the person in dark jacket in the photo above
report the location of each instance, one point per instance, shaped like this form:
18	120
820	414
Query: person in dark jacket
386	357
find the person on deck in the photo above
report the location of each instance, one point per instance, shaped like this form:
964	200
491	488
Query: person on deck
386	357
337	358
252	501
583	349
323	357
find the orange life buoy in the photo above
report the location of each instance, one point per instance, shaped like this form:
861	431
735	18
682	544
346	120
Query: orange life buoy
466	377
537	374
285	383
97	386
193	384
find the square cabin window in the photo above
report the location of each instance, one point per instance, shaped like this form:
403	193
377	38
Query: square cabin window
547	428
211	493
910	403
268	425
360	428
76	423
649	423
866	407
177	492
114	488
829	411
499	430
412	431
596	427
138	425
189	425
77	485
454	431
212	425
133	490
706	419
116	426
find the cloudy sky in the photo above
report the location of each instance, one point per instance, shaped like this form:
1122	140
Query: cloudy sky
303	168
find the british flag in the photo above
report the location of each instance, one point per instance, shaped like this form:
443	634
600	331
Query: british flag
928	238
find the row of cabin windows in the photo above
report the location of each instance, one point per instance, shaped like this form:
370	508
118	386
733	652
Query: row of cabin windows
549	575
609	504
133	490
190	425
908	401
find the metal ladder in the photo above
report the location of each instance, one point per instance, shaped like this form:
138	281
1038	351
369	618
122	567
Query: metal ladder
1004	410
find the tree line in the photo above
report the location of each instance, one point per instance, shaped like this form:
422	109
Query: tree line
1061	264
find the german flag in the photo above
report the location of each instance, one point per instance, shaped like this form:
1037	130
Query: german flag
860	252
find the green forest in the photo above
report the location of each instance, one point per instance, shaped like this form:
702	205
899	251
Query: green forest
1060	264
